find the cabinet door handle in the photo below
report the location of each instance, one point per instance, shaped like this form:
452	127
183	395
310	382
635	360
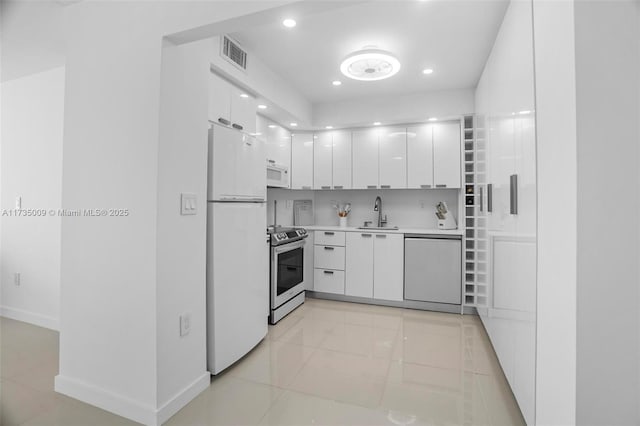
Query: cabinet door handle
237	126
425	186
224	121
372	186
328	272
489	198
441	185
329	233
291	268
325	187
481	198
366	235
385	186
337	187
329	248
381	236
513	194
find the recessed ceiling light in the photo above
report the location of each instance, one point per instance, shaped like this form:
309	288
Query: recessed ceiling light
376	123
524	112
289	23
293	124
262	106
336	82
272	126
427	71
433	119
244	95
329	127
370	65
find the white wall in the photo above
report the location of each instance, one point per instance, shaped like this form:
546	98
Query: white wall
557	186
607	106
31	167
405	208
111	299
394	109
182	167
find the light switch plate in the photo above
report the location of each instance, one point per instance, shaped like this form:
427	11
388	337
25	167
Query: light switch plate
18	203
185	324
188	204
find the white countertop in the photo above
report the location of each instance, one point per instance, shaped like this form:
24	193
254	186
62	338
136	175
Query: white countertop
424	231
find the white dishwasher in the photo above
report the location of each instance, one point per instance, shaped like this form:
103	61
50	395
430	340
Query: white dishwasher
433	268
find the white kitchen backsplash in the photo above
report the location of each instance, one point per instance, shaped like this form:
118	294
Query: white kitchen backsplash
408	208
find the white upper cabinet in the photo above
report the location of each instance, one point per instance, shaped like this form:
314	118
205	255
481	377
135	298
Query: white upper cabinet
219	100
302	161
420	156
322	161
393	157
446	155
228	107
243	110
341	159
278	141
365	158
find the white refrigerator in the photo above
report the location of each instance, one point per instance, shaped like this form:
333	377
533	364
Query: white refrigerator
237	262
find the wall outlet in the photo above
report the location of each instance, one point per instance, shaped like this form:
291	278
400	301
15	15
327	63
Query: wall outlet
185	324
16	278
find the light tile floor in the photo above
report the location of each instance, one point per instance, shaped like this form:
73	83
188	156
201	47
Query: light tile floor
327	363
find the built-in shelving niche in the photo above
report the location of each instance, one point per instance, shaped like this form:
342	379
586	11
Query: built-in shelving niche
476	246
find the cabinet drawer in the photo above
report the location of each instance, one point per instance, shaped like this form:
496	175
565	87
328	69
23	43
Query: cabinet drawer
329	257
330	238
328	281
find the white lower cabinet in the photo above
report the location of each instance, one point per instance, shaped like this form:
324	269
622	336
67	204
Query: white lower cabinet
328	281
374	265
359	265
307	265
388	267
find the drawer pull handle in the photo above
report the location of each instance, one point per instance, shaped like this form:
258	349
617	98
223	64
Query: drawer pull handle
337	186
381	236
385	186
425	186
441	185
366	235
329	233
328	272
372	186
237	126
329	248
224	121
325	187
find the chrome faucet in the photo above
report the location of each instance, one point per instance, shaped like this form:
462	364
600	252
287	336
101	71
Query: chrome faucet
377	207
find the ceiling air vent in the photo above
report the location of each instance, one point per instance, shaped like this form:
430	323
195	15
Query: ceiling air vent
233	53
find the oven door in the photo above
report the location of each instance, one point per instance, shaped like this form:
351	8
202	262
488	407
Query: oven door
287	275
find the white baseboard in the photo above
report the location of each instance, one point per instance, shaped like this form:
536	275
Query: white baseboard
106	400
129	408
183	397
30	317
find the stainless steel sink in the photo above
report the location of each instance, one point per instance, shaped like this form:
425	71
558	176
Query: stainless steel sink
379	228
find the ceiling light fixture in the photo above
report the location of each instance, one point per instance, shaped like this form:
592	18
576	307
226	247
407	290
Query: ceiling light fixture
272	126
370	64
289	23
262	106
244	95
293	124
427	71
376	123
336	82
433	119
329	127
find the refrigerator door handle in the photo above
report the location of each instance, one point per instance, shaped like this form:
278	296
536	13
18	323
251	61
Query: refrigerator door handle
513	194
490	198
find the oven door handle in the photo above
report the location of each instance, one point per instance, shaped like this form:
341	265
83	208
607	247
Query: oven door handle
288	247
